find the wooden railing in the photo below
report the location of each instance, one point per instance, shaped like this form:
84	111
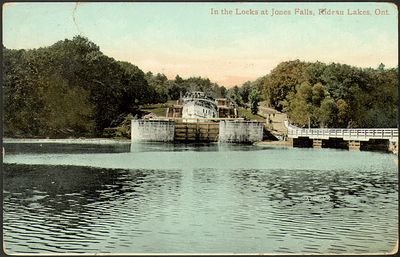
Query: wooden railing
180	119
347	134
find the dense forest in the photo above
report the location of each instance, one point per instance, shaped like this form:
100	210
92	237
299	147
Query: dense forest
327	95
334	95
72	89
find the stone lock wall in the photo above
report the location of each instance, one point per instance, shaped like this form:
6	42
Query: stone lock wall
152	130
240	131
227	131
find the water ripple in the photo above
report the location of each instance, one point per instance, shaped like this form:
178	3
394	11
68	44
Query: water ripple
73	209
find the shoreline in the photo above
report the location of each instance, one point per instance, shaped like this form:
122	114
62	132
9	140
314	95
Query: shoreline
67	140
284	144
105	140
274	143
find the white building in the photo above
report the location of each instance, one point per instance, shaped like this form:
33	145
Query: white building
197	105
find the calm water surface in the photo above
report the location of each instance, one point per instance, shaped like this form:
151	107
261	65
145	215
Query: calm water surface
161	198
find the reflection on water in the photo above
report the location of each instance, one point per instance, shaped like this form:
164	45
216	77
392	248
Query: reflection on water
43	148
198	198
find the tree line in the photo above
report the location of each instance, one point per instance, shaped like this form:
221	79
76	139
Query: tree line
72	89
332	95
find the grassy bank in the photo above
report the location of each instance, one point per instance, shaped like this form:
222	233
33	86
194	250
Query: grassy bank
246	113
159	109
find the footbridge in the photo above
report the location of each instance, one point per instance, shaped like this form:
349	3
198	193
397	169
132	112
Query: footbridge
355	139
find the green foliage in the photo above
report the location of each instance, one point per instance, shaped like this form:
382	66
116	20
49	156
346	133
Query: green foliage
299	105
172	89
327	113
282	80
157	83
244	91
21	98
204	85
245	113
318	94
334	95
69	88
72	89
233	94
254	100
67	110
221	92
343	113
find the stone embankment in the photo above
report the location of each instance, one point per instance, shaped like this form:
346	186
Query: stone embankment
229	131
274	120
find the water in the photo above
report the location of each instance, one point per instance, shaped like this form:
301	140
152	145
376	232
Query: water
164	198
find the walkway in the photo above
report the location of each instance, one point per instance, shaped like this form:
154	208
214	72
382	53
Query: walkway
361	134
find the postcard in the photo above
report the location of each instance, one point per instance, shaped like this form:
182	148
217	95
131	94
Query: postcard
167	128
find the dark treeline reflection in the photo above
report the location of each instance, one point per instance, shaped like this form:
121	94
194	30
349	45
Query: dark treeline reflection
76	148
64	183
195	147
84	185
339	188
38	148
75	204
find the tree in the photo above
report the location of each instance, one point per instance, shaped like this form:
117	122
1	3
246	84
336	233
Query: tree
343	113
327	113
254	100
244	91
67	110
72	88
221	92
381	67
178	79
282	80
136	90
157	83
234	96
318	94
298	105
362	97
68	88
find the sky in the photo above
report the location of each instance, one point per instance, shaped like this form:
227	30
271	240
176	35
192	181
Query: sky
186	39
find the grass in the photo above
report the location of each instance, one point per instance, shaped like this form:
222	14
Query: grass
159	109
247	114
